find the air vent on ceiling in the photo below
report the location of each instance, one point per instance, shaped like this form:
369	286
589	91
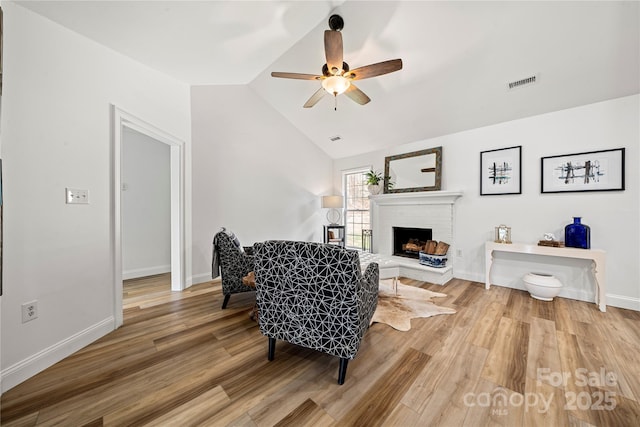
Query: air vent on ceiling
335	138
523	82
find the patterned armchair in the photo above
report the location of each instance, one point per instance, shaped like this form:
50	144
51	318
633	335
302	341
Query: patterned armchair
232	262
314	295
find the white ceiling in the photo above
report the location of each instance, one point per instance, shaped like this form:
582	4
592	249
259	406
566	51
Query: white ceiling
458	57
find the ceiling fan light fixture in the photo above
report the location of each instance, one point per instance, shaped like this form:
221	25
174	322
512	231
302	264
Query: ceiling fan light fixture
336	76
336	85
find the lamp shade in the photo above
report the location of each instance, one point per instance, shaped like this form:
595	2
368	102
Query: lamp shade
332	202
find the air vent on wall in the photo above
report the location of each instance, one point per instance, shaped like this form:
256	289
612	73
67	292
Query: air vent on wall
335	138
522	82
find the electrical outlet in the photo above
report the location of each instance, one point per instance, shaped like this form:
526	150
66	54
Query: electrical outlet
75	196
459	253
29	311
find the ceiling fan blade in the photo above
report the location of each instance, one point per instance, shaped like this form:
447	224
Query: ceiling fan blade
295	76
333	50
315	98
373	70
357	95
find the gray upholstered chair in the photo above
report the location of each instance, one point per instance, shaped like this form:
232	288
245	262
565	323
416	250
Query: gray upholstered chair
232	262
314	295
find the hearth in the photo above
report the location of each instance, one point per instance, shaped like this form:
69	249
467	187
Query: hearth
409	241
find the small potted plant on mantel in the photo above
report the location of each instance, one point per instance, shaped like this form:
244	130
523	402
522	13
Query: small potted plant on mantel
375	182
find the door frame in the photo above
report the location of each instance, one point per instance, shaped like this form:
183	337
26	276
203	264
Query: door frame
120	120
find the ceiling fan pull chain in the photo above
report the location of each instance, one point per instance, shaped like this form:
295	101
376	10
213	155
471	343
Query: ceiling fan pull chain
335	101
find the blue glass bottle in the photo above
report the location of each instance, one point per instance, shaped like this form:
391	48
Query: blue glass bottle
577	235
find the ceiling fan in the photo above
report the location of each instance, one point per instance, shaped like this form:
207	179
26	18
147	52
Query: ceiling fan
336	76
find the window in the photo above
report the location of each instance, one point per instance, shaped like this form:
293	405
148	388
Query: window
356	207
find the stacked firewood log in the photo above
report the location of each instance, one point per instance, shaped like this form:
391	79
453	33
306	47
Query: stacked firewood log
414	245
436	248
430	247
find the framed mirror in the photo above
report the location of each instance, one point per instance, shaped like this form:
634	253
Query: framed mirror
416	171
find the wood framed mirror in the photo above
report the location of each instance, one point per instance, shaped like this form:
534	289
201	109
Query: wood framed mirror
415	171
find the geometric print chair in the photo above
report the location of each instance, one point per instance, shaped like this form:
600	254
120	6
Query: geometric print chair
314	295
232	262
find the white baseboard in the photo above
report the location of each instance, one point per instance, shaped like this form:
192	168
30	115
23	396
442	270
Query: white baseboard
144	272
622	301
25	369
466	275
201	278
613	300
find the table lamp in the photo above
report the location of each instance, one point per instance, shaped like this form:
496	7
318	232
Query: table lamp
333	203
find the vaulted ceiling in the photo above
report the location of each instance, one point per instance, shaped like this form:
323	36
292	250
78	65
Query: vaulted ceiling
458	57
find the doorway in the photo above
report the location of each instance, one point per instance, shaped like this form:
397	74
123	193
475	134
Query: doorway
145	206
121	121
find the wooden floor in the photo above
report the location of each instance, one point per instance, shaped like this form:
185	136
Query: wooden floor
502	359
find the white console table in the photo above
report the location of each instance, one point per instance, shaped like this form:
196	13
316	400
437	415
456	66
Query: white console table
596	255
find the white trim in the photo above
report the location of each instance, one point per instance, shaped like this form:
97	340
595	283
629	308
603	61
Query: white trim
147	271
466	275
27	368
622	301
363	169
121	119
116	219
204	277
417	198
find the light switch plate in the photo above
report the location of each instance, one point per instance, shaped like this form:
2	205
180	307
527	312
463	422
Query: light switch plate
76	196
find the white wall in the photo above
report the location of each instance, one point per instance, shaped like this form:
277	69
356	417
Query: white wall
253	173
58	88
146	206
613	216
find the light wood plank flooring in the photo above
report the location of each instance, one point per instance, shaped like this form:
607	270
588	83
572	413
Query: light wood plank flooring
503	359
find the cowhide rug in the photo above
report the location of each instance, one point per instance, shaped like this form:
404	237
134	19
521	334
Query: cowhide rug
410	302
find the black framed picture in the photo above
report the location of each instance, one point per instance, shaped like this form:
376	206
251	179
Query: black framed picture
589	171
501	171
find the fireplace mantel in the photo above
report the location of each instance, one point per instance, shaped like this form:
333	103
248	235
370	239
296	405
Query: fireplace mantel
417	198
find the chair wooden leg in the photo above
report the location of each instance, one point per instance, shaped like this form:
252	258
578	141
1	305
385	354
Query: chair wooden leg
342	372
226	300
272	348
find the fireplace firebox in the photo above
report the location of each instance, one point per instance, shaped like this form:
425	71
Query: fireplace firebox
409	241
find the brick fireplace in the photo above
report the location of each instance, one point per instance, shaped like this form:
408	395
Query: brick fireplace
427	210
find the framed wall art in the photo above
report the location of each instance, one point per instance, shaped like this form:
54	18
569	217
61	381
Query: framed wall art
501	171
589	171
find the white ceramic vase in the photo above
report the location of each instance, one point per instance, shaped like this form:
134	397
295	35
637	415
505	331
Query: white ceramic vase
542	286
374	189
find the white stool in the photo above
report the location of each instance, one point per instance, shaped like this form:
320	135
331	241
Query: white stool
388	268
